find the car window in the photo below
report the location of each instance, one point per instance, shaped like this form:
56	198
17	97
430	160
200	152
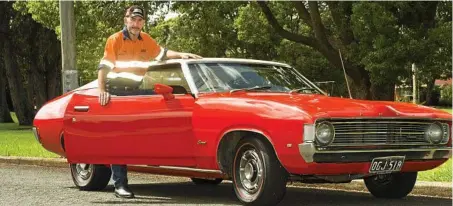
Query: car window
218	77
126	84
170	75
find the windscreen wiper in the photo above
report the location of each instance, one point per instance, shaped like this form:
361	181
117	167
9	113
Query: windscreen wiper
251	88
302	89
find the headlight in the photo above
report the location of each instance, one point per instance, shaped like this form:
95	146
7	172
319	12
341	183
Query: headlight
434	133
325	133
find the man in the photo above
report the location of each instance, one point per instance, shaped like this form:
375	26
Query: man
130	50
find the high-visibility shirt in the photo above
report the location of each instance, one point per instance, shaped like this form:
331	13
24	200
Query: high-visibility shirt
121	54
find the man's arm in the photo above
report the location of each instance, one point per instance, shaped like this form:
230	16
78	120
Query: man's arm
102	76
104	96
180	55
105	66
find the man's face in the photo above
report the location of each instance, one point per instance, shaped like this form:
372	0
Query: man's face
134	24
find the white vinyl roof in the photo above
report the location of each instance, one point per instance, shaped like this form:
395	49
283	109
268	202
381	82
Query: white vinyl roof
219	60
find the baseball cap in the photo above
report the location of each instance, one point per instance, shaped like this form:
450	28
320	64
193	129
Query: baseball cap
134	11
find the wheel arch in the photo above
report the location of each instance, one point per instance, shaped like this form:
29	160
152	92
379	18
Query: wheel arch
228	142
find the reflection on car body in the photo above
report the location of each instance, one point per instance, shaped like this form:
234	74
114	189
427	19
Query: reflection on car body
257	123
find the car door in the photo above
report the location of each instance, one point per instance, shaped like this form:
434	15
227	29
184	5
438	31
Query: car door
131	129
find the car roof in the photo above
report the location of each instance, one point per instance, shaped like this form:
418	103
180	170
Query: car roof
219	60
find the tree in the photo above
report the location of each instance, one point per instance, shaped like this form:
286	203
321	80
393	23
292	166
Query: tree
95	22
371	35
4	109
28	63
378	40
20	101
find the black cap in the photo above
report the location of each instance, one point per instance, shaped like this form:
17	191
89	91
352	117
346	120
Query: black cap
134	11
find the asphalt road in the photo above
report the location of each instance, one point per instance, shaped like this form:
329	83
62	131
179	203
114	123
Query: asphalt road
35	185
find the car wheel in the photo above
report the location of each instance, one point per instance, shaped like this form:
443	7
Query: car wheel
258	176
90	177
199	181
396	185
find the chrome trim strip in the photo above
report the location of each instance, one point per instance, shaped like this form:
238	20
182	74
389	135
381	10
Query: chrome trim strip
308	150
381	122
180	168
228	60
36	134
309	82
355	133
383	144
387	150
247	130
189	78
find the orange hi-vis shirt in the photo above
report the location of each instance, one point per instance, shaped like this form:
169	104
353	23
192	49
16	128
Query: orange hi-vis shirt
121	54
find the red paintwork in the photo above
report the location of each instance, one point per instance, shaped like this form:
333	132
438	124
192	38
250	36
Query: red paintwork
153	130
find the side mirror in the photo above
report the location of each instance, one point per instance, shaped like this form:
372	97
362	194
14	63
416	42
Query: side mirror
164	90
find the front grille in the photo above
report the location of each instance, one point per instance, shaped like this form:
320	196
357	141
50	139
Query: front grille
355	132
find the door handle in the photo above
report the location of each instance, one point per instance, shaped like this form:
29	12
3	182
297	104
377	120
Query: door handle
81	108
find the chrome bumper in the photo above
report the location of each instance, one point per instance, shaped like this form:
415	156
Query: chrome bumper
36	134
310	153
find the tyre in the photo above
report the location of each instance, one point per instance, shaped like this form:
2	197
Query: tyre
90	177
199	181
258	176
394	186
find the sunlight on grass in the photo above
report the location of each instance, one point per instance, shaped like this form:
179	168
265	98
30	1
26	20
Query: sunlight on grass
13	115
439	174
18	140
442	173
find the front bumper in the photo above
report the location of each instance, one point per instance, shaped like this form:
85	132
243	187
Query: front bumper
311	154
36	134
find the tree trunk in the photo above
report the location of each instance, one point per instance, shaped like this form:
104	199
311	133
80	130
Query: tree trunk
360	85
53	68
21	104
384	92
5	116
38	87
430	94
20	101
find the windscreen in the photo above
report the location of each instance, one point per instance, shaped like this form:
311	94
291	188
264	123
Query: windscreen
219	77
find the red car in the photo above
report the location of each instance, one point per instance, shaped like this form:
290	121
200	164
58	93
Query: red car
257	123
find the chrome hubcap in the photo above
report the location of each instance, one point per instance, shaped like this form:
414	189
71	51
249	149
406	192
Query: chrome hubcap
84	171
250	171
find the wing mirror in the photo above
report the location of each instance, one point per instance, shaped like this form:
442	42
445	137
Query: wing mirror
164	90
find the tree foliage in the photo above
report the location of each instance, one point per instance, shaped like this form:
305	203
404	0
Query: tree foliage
379	41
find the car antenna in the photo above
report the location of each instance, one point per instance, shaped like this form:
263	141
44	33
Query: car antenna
345	77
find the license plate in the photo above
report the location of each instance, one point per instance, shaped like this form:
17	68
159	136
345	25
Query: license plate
382	165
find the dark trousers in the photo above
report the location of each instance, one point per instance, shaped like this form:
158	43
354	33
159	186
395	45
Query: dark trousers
119	175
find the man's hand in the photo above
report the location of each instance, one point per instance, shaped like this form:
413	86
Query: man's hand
189	56
104	98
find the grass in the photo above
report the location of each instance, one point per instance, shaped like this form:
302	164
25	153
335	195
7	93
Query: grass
439	174
18	140
442	173
447	109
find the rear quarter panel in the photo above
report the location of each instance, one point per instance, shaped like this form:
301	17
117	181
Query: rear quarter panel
49	121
